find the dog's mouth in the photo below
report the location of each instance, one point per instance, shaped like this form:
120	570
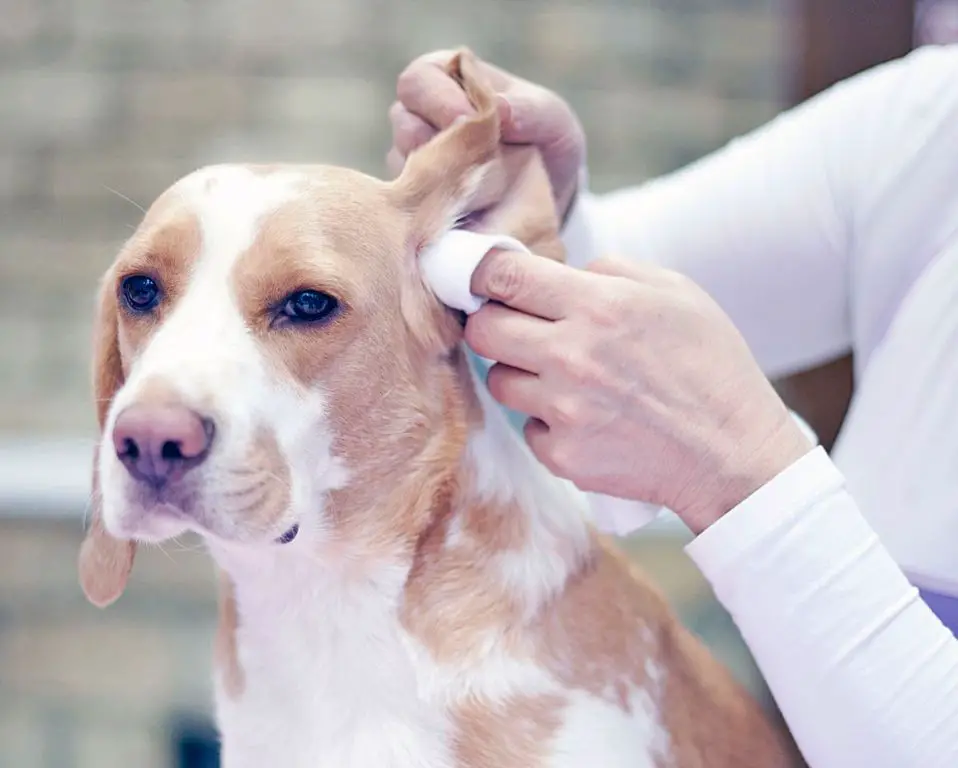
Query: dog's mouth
290	534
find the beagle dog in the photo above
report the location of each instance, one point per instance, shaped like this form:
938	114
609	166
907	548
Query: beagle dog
402	584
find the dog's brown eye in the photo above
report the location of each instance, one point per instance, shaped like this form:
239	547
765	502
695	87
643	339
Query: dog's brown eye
140	292
309	306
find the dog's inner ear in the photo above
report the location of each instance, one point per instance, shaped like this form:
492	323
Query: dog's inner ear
105	563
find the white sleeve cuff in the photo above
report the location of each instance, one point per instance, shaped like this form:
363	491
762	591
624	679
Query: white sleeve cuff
863	671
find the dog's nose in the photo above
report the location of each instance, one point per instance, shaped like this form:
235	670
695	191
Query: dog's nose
160	443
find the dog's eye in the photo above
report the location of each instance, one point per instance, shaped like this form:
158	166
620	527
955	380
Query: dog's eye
140	292
309	306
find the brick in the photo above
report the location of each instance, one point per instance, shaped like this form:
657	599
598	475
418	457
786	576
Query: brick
18	172
165	103
98	745
157	25
334	105
21	736
57	106
565	35
119	180
101	658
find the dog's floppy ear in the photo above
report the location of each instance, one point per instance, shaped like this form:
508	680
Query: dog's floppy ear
105	562
450	175
465	177
464	170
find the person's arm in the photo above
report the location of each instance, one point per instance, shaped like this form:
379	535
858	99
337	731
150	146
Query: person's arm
864	673
769	225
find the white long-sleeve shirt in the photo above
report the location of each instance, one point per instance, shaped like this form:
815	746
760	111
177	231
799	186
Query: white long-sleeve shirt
835	227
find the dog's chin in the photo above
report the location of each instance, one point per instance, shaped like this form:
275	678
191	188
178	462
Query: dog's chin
152	525
162	522
149	516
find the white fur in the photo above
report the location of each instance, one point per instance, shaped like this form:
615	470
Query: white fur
329	679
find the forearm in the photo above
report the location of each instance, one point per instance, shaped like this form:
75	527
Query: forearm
778	224
863	671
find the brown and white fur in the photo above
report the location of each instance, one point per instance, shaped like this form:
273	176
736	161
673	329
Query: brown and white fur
445	603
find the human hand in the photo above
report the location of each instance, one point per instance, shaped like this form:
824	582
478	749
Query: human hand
638	384
429	100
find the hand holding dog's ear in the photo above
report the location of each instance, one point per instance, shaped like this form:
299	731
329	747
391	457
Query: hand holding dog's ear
429	100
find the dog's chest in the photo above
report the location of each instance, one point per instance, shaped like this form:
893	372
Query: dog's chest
332	685
370	698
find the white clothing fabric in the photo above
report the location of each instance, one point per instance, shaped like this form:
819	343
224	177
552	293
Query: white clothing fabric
863	671
835	227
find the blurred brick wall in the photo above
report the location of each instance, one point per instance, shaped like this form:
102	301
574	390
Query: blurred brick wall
127	95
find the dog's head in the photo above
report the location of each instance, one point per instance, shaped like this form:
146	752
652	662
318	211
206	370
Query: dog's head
264	341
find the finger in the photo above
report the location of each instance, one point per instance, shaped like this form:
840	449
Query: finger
644	273
395	162
536	116
516	389
409	131
426	89
617	267
501	334
529	283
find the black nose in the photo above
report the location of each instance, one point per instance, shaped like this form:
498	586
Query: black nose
160	443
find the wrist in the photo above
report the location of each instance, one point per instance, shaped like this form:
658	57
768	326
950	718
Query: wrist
741	474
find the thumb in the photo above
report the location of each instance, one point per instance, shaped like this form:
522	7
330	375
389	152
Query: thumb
533	115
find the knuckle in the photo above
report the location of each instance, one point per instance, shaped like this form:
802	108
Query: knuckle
609	312
605	266
575	366
505	280
476	334
617	304
561	460
678	282
495	382
565	411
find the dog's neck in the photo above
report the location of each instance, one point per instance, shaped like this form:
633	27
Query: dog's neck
497	537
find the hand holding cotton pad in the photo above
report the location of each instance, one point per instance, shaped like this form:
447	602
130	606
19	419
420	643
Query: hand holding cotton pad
447	267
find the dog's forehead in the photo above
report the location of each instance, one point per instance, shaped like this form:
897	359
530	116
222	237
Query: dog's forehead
225	210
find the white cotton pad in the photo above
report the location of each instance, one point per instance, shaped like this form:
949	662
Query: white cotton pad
448	266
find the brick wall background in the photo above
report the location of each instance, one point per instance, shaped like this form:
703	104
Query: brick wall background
103	100
127	95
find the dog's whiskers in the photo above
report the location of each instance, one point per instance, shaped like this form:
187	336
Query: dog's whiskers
120	195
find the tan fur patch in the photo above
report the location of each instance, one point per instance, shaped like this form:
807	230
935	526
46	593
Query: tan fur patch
515	734
225	652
